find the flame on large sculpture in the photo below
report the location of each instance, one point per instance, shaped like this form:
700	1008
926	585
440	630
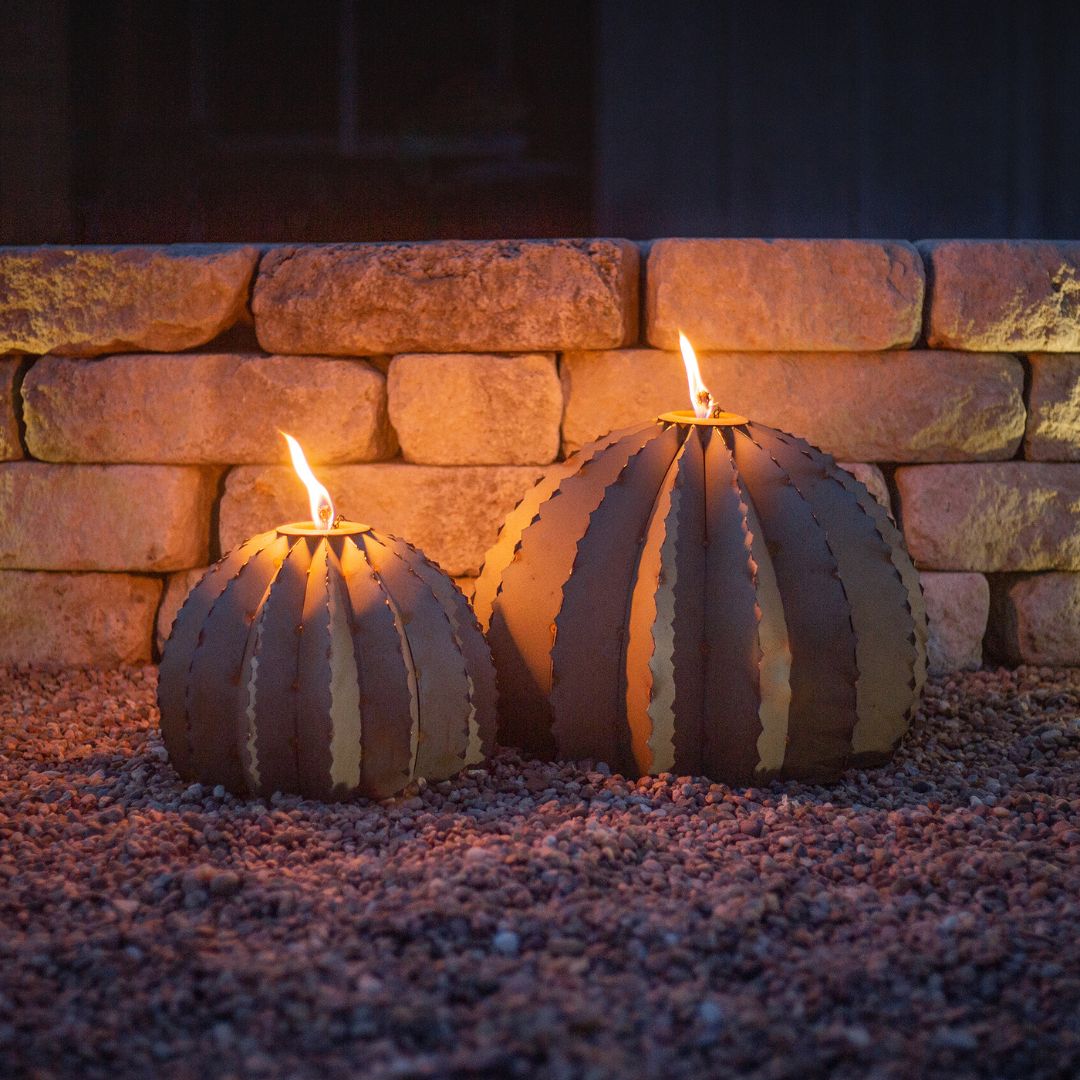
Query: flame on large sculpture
322	506
701	401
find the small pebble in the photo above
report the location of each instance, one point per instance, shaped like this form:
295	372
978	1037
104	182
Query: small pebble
506	942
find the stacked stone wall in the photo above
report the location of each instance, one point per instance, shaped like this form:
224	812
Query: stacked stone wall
142	390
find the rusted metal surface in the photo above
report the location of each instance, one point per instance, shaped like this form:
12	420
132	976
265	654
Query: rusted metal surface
327	663
704	596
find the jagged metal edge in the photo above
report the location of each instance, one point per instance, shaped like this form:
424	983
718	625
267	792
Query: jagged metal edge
560	716
410	665
271	707
314	675
567	489
894	538
554	476
177	682
414	625
711	737
432	664
365	645
337	590
748	433
638	674
831	471
483	689
756	541
261	567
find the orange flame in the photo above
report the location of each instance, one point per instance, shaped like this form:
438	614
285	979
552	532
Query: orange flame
700	398
322	508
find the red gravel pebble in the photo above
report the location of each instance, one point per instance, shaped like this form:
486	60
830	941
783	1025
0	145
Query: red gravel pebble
542	920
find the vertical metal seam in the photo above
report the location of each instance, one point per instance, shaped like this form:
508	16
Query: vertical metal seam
836	564
270	538
833	474
414	688
454	636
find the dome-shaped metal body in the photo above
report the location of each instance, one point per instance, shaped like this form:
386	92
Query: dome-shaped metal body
326	664
706	597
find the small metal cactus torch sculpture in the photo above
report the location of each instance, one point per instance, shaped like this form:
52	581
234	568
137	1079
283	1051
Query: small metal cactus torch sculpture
326	659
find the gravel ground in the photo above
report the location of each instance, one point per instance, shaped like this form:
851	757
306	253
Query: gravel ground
542	920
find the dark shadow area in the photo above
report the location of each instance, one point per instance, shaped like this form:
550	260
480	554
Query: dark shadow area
191	120
328	120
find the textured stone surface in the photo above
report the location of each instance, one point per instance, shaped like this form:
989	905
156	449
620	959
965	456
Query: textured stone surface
1053	425
177	587
1009	515
104	517
100	619
10	444
447	296
205	409
901	406
1008	295
86	301
452	514
957	606
872	478
784	294
476	409
1036	619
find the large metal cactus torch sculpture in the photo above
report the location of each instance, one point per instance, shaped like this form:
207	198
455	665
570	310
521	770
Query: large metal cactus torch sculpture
705	595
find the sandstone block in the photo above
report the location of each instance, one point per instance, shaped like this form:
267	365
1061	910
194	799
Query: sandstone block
177	587
10	444
452	514
1036	619
784	294
199	409
900	406
476	409
957	606
85	301
1053	425
1003	295
91	619
1009	515
447	296
96	517
871	478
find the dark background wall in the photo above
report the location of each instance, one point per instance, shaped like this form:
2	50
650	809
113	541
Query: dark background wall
162	120
839	118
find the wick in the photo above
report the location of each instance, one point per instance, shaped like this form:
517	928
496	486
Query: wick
712	409
324	517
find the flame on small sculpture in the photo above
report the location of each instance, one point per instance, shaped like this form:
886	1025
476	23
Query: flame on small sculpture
700	398
322	507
